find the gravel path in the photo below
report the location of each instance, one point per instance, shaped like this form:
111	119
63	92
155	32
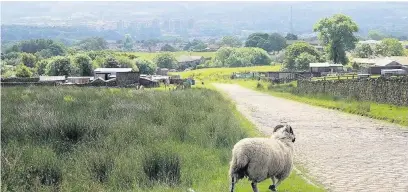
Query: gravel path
343	152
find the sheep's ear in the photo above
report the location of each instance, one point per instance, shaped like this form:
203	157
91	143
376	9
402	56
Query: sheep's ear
290	130
278	127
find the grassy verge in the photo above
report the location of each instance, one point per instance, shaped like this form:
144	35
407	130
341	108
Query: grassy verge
96	139
390	113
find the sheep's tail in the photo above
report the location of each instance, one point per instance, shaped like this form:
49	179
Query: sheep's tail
238	165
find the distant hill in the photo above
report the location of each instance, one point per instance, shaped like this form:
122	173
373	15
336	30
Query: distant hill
214	18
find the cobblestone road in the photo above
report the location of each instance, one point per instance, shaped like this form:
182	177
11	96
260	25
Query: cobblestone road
341	151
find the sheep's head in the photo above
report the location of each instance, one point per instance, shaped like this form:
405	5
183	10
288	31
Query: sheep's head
284	132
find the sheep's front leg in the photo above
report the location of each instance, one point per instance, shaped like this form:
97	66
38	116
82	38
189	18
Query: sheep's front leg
233	181
254	187
273	186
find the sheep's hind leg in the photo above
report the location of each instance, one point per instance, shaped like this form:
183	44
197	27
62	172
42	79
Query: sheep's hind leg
273	186
254	187
233	181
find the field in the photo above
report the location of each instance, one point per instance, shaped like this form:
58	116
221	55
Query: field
96	139
223	74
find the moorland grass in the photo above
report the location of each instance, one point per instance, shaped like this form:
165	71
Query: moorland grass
98	139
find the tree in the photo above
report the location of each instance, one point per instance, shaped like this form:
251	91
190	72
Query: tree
23	71
125	62
165	60
60	66
146	66
195	45
291	36
230	41
41	67
276	42
28	59
295	50
364	51
375	35
337	34
111	62
83	63
128	43
168	48
303	60
241	57
273	42
391	47
93	43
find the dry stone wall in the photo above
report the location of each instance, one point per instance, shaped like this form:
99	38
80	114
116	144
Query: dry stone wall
381	90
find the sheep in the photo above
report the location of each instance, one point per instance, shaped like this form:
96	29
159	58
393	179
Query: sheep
262	158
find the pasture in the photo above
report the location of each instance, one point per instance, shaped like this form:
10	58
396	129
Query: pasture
97	139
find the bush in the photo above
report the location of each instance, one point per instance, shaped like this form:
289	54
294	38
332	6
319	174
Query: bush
146	66
165	60
83	64
60	66
23	71
240	57
41	67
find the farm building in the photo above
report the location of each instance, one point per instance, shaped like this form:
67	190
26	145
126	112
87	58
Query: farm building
186	61
127	78
162	71
383	64
325	67
79	80
374	66
109	73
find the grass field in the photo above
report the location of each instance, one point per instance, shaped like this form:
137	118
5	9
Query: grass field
96	139
150	56
224	74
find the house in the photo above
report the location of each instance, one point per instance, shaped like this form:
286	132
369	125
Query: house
162	71
109	73
325	67
79	80
370	42
186	61
58	79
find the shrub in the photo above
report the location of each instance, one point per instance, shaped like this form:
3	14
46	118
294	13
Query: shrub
23	71
60	66
146	66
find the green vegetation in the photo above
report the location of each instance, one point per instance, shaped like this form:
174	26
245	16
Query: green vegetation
240	57
230	41
298	53
78	139
223	74
336	33
272	42
391	47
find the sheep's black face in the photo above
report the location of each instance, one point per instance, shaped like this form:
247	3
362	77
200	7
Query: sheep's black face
284	132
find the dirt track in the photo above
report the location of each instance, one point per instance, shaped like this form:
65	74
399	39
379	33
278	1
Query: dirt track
341	151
